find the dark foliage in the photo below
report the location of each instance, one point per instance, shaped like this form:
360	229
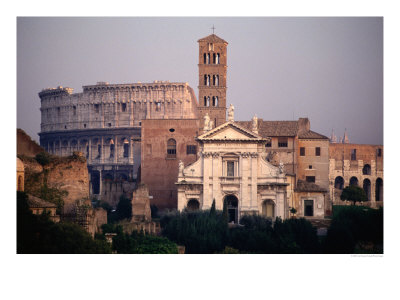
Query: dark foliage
138	243
43	158
289	236
154	211
37	234
123	211
199	232
352	227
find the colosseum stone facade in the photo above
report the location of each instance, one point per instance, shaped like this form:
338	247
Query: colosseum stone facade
104	123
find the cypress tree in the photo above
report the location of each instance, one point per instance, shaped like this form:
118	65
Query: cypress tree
225	211
212	211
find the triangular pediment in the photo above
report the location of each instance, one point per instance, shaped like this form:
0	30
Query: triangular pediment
230	131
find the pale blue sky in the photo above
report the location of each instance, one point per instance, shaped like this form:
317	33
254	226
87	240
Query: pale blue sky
327	69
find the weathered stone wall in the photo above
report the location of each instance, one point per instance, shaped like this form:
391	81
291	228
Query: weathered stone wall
286	155
25	145
141	204
343	168
68	174
160	171
114	105
113	190
314	165
71	176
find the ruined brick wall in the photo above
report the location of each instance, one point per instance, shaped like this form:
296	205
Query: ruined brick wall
160	172
366	153
72	176
141	204
25	145
67	174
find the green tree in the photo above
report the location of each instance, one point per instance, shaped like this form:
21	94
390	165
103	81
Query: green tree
353	193
212	210
43	158
225	214
37	234
124	208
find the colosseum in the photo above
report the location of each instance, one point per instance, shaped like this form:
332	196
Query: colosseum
104	123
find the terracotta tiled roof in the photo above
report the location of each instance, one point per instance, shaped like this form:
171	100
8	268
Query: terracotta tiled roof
304	186
212	38
273	128
37	202
311	135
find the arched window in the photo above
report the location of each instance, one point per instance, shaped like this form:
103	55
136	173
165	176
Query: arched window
208	58
217	58
367	170
213	79
98	151
367	188
126	148
208	80
205	101
205	79
171	148
20	184
232	208
217	80
213	101
193	205
204	57
112	147
379	190
216	100
353	181
208	101
339	183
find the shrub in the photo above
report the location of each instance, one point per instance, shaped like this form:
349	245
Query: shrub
43	158
352	226
199	232
37	234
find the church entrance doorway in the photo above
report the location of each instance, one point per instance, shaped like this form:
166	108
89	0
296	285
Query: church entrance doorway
232	208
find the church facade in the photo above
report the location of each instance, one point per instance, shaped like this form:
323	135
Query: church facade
232	167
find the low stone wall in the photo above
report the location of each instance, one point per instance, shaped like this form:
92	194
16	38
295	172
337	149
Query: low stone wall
151	227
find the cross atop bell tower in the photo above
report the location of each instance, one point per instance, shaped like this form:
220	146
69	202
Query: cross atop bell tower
212	79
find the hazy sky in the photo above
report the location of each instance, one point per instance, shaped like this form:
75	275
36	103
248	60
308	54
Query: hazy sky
327	69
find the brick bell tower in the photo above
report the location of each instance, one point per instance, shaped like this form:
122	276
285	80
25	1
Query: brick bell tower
212	79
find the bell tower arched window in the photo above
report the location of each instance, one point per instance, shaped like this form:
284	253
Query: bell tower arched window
171	148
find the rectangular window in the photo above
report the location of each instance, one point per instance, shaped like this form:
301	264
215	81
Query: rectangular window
353	154
158	106
282	142
317	151
96	108
379	152
123	107
268	144
230	169
310	178
302	151
191	149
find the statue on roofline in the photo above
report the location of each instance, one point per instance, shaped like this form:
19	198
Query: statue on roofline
231	111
